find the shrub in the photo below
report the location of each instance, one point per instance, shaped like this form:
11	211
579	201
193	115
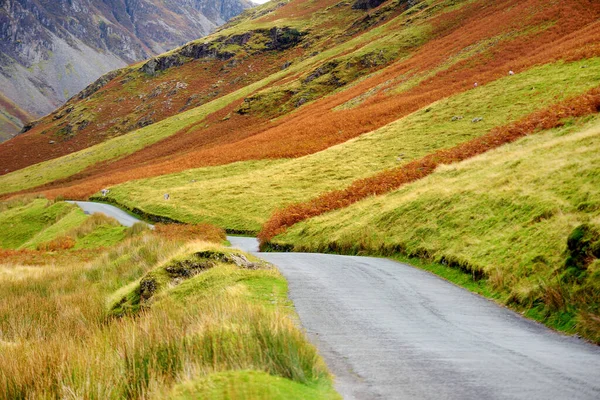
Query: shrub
60	243
582	243
206	232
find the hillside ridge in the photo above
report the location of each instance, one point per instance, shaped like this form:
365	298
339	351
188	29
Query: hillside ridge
51	51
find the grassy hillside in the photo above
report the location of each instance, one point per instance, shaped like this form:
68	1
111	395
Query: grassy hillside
31	223
321	78
156	316
134	97
242	196
510	216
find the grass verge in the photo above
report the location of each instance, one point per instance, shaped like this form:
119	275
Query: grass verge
39	224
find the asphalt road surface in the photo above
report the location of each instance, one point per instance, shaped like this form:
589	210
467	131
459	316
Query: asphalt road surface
110	211
391	331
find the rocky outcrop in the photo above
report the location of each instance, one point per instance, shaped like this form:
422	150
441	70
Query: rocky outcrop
277	39
284	38
176	271
51	50
367	4
98	84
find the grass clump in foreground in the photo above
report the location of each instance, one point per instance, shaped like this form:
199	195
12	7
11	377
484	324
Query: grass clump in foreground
200	332
523	218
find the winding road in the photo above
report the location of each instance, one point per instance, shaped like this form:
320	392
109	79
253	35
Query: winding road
124	218
390	331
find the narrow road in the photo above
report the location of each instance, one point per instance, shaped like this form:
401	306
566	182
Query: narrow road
390	331
110	211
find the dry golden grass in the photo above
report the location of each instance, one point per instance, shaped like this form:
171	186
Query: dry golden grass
59	340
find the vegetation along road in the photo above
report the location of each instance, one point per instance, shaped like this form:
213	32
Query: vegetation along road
110	211
391	331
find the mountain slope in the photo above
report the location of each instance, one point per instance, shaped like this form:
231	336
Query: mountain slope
49	51
11	118
428	52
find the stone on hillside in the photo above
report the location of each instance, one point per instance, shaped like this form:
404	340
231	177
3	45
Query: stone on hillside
283	38
367	4
188	268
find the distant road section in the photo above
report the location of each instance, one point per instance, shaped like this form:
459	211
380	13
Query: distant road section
110	211
391	331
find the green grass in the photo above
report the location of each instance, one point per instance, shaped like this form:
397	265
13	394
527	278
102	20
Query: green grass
457	276
102	236
22	223
506	214
250	385
70	221
29	224
242	196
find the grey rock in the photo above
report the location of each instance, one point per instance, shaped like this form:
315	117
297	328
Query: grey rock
367	4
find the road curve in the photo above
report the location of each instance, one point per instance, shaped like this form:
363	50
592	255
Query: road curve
390	331
110	211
